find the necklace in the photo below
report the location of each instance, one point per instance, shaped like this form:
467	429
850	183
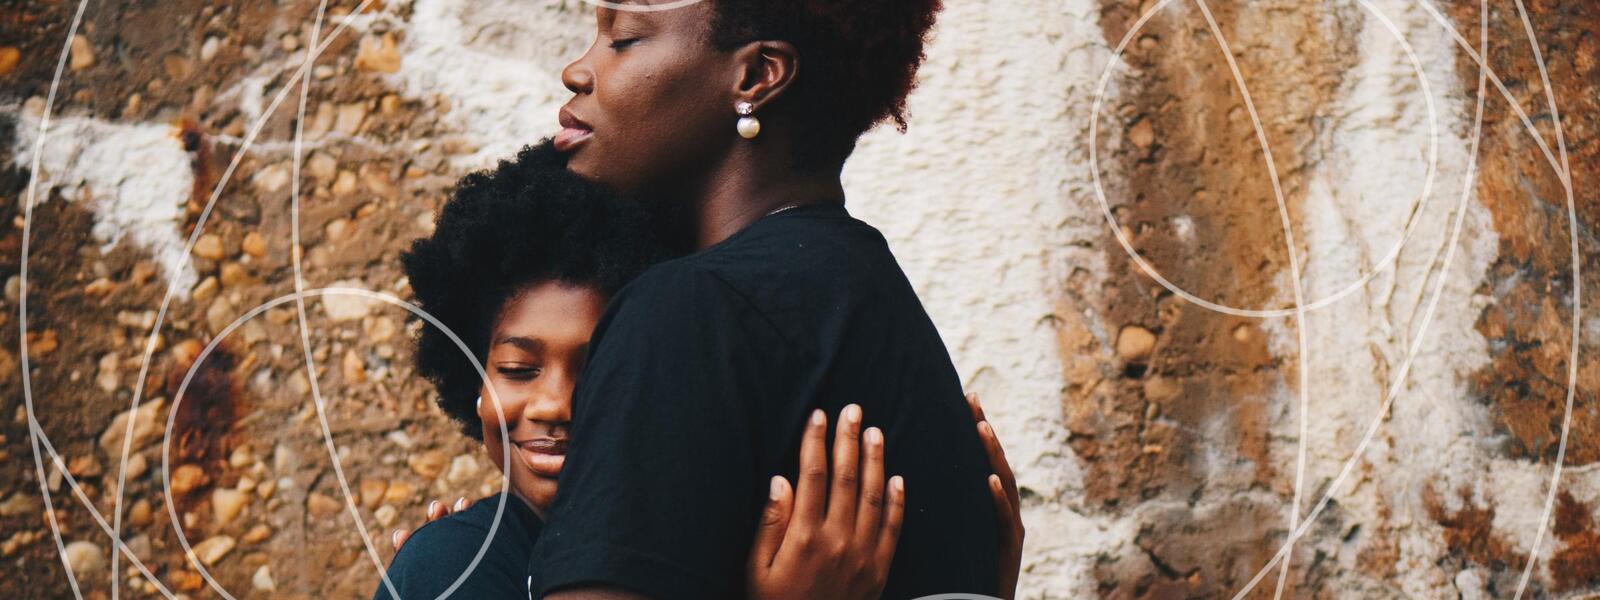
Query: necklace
783	208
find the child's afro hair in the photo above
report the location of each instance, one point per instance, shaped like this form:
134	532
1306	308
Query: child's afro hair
527	221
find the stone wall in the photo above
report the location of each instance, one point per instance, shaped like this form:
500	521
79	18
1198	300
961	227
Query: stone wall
1166	413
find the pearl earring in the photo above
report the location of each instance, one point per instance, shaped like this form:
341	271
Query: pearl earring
749	126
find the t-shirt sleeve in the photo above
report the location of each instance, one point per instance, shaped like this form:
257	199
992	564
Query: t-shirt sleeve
438	553
659	491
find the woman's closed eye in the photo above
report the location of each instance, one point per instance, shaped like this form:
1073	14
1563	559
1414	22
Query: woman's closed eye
620	44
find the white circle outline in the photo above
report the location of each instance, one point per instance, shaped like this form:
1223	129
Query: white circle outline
1563	172
641	8
1382	265
177	399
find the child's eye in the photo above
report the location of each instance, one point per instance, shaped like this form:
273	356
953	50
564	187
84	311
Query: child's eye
623	43
520	372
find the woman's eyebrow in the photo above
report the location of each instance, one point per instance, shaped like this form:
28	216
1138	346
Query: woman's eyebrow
525	343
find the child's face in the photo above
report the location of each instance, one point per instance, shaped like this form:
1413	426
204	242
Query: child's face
536	350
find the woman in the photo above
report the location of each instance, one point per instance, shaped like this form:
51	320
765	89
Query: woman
520	265
735	118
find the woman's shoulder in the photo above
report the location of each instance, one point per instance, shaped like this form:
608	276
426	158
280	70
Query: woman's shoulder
686	280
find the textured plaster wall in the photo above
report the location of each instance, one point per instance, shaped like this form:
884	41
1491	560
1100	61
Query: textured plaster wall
1157	442
986	202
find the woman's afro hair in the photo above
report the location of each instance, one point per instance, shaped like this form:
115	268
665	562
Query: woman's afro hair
527	221
858	58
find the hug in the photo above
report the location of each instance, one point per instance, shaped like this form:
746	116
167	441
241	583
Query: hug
711	381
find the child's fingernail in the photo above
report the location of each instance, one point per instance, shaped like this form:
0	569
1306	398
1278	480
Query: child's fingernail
874	436
852	413
432	506
818	418
898	483
461	504
394	538
777	487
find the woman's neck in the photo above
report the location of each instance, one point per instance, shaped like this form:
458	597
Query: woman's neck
752	184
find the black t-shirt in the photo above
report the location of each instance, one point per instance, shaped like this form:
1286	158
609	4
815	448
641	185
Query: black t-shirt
701	375
438	553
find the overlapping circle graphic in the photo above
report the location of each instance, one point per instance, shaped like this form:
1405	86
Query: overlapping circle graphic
44	451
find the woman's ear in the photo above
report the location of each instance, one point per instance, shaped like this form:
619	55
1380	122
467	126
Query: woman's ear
766	70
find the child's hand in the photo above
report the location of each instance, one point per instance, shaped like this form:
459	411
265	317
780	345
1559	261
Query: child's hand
1007	502
816	542
436	511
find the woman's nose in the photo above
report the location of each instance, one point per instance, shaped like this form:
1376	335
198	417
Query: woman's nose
577	76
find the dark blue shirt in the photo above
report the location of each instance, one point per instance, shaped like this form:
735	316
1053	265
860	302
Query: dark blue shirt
440	552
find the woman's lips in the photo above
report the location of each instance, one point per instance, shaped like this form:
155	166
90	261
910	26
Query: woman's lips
573	131
544	456
570	137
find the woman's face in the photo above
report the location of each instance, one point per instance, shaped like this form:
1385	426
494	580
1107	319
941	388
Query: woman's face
536	350
652	99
